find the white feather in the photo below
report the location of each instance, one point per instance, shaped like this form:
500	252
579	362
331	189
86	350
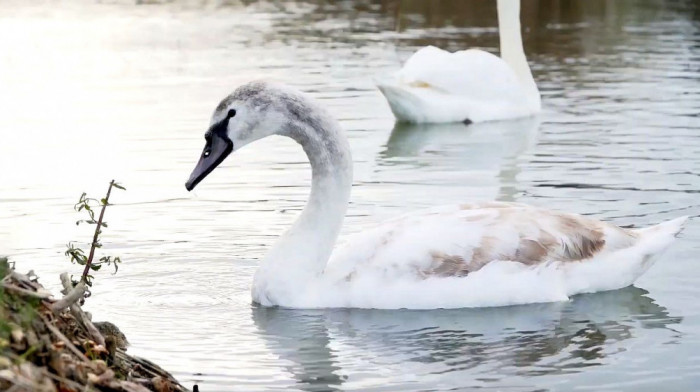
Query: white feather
437	86
384	275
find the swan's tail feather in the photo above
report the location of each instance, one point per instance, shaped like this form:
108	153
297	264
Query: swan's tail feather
654	240
624	266
672	227
404	104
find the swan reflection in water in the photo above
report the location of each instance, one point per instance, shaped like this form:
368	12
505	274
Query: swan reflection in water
469	154
326	346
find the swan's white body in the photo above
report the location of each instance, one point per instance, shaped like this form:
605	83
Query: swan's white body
467	255
436	86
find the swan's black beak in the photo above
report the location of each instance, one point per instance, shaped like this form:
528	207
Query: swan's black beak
215	151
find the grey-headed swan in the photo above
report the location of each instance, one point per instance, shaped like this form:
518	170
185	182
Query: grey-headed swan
473	254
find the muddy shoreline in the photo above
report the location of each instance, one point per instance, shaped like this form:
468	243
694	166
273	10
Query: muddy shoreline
45	349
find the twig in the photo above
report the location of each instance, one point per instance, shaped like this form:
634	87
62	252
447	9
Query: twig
17	383
63	338
25	291
76	293
97	233
16	387
24	279
72	296
148	369
60	379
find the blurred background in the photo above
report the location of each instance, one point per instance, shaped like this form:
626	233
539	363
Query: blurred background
95	90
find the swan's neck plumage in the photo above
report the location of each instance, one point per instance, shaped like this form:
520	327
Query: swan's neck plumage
512	51
303	251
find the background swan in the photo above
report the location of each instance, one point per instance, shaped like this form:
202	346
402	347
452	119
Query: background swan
452	256
436	86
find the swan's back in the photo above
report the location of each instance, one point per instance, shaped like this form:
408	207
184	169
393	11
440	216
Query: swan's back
469	236
470	73
472	85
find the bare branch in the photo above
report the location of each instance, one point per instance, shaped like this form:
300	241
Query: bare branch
35	294
73	294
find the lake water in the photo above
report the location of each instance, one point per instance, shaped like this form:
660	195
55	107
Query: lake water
95	90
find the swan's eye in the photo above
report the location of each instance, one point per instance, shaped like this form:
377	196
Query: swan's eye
206	153
231	113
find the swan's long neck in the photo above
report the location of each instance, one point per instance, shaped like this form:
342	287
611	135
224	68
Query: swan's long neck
303	251
512	47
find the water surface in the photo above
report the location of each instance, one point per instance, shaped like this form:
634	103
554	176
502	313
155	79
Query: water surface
92	91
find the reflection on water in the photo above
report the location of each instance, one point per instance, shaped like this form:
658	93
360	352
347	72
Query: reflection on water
302	340
95	90
503	139
491	149
521	341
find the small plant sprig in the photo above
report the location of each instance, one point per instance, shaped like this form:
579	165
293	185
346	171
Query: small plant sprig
77	255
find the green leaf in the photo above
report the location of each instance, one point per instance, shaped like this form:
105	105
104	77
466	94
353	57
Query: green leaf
95	267
118	186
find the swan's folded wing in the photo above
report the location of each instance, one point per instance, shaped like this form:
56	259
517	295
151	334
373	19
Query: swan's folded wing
457	240
532	236
473	73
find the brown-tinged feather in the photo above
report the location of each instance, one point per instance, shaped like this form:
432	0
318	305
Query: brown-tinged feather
530	251
419	84
484	253
445	265
543	236
585	238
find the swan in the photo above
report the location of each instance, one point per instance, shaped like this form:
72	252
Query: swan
468	255
436	86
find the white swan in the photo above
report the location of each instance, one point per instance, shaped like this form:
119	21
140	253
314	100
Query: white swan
436	86
453	256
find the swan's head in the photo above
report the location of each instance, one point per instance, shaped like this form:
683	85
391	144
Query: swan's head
252	112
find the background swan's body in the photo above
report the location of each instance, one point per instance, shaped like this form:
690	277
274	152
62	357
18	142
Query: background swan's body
436	86
455	256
